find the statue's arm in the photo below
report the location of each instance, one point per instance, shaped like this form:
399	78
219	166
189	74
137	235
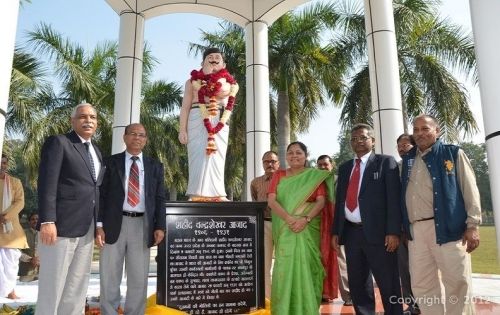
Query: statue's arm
187	101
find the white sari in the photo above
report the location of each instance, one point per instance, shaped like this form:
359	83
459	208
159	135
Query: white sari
206	172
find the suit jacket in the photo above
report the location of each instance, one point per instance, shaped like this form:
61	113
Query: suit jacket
67	192
378	198
113	196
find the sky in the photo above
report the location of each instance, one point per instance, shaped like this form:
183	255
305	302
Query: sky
89	22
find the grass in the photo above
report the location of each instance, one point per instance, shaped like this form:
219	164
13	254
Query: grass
485	257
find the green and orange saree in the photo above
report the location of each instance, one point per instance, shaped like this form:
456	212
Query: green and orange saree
297	280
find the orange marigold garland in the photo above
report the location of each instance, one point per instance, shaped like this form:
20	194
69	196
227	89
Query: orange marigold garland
208	87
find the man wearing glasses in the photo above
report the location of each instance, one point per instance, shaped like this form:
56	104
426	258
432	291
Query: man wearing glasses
131	220
367	222
258	188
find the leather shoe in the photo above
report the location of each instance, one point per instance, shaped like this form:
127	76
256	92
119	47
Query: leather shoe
348	303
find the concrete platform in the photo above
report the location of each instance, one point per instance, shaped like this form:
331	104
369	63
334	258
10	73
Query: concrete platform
485	288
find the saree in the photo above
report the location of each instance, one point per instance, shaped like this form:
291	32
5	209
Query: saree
328	254
297	281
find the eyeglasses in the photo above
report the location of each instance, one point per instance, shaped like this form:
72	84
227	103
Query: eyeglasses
362	139
135	134
270	161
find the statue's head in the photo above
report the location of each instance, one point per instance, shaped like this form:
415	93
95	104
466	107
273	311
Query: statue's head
213	60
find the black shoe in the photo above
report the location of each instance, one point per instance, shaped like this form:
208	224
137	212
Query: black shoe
348	303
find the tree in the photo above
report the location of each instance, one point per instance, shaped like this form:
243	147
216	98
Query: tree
345	151
430	50
302	70
90	77
477	156
27	78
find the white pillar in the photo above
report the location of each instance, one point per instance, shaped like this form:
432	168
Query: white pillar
258	139
128	76
8	25
384	75
485	23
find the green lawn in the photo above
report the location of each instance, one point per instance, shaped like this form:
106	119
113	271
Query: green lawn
485	257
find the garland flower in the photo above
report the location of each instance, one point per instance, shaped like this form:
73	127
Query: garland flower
208	86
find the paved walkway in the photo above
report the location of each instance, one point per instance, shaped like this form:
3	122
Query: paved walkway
486	293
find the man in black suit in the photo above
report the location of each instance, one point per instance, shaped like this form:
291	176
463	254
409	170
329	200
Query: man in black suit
367	222
131	220
68	193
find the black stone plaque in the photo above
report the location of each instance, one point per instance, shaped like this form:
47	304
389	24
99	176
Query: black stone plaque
213	258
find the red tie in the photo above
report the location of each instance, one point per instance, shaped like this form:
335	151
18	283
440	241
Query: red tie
352	190
133	195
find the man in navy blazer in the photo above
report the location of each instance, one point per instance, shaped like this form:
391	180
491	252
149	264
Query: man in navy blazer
131	220
68	194
367	222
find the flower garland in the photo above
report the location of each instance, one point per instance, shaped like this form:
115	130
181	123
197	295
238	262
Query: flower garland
208	86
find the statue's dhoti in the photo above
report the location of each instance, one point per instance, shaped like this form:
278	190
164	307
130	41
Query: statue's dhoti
206	172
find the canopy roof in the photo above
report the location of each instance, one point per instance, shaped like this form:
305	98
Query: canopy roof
240	12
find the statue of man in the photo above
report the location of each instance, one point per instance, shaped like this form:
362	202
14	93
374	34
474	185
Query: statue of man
207	105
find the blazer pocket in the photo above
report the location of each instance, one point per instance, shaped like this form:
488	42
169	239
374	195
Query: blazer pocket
66	195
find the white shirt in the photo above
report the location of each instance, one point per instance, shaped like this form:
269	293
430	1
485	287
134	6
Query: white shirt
97	163
355	215
141	206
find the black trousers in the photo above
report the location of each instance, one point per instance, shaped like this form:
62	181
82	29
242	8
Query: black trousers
364	259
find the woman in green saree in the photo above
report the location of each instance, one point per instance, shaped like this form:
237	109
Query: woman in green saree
296	196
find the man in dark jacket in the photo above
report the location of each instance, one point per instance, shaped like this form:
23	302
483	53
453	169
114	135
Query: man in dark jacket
131	220
442	212
367	222
68	193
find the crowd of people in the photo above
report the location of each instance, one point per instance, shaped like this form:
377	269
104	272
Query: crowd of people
408	226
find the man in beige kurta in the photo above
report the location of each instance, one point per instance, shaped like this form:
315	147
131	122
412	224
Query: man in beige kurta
12	237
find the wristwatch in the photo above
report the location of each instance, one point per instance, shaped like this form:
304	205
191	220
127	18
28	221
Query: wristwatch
308	218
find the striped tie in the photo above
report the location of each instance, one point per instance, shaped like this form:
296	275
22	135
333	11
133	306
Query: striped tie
91	160
133	195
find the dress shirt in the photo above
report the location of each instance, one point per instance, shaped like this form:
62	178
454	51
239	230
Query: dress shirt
97	163
141	206
355	215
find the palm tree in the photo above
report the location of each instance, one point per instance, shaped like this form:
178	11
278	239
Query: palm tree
160	99
302	70
430	50
27	78
90	77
